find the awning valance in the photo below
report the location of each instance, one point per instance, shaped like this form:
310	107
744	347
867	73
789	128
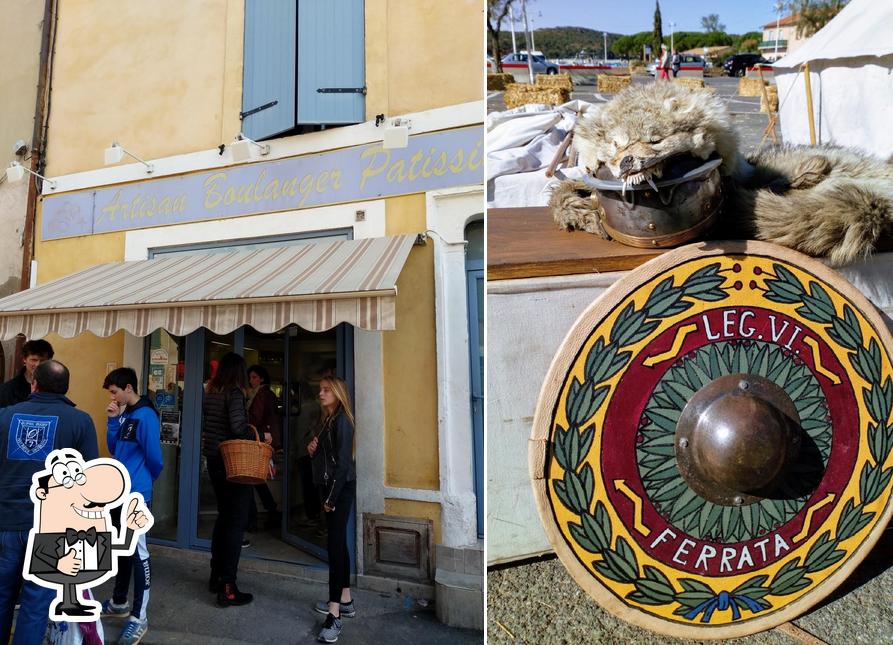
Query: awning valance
316	285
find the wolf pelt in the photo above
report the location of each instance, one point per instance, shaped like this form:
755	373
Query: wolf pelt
823	201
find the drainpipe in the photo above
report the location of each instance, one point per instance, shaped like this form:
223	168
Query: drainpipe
38	145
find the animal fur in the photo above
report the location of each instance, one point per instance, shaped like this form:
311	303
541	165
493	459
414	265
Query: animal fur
822	201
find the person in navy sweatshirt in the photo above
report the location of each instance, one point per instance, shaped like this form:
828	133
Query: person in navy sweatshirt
133	437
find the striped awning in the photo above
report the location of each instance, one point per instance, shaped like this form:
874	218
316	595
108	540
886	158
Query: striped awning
315	285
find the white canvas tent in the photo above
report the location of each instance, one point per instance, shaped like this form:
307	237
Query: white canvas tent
851	73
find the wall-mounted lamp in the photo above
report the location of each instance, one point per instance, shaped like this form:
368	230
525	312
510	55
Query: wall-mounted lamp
396	133
115	153
16	172
240	149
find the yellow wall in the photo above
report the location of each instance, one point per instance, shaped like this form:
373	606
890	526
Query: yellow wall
423	55
161	78
86	356
409	508
410	361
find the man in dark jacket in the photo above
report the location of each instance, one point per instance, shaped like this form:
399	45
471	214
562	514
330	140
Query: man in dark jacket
18	388
29	432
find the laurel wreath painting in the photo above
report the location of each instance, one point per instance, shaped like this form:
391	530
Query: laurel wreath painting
576	488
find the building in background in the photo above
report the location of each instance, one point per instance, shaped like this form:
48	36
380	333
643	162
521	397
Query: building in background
22	31
340	233
781	40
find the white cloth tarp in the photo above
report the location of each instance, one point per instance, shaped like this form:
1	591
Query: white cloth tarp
521	144
851	73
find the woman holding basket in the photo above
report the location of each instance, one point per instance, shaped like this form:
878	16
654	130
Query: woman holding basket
224	417
334	473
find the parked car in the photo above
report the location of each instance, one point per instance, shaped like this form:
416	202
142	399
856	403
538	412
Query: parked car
687	63
738	64
519	60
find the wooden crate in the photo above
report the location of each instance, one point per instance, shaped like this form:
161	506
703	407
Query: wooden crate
750	87
498	81
612	84
518	94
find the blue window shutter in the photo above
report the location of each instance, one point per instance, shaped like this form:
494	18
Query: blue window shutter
331	54
269	67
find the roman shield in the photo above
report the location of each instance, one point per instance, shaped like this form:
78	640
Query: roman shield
712	449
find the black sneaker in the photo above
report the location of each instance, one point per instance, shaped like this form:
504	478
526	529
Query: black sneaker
330	631
246	543
230	596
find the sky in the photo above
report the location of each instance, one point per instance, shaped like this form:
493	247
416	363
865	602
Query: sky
633	16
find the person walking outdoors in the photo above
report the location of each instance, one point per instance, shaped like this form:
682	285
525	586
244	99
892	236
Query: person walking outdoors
133	436
334	473
23	453
224	417
262	405
664	64
676	61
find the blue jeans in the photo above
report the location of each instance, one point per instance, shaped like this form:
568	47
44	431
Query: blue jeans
35	600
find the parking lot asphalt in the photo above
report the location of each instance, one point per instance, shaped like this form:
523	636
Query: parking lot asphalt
538	601
749	122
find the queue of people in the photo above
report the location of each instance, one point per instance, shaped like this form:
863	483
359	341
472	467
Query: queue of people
230	409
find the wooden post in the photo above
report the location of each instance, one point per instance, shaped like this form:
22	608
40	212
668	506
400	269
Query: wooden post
773	116
809	103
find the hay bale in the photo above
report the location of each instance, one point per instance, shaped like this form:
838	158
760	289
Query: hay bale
750	87
555	80
518	94
612	84
499	81
772	95
690	83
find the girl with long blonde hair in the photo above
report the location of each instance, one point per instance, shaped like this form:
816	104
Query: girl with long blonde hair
334	474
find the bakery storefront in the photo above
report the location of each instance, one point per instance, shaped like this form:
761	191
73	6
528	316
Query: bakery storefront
295	262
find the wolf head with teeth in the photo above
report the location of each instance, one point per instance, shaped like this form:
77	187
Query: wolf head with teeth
645	126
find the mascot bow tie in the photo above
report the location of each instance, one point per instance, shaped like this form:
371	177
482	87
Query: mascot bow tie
72	536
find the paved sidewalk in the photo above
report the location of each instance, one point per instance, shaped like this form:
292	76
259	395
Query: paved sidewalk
182	611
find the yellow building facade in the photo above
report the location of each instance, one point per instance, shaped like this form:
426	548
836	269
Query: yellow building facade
168	82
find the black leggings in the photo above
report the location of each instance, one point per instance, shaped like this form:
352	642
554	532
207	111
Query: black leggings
233	512
339	556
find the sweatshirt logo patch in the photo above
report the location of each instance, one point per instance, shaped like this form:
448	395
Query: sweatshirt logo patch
128	430
31	437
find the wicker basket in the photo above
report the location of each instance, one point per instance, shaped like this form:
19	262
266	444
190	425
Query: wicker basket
246	461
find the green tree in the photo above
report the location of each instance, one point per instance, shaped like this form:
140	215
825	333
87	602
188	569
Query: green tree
657	35
497	10
815	14
711	23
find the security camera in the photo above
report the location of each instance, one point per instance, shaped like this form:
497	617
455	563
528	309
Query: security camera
20	147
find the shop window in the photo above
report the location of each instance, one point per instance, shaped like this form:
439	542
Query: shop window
304	66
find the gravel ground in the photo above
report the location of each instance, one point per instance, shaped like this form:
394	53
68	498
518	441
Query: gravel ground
538	602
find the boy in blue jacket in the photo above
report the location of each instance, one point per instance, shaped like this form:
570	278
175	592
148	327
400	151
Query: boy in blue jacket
134	438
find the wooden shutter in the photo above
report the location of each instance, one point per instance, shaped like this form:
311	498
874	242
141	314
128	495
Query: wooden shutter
269	67
331	57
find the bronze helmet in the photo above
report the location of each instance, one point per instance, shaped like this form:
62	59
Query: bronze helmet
678	208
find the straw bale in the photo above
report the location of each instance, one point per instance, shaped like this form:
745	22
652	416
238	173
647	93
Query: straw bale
690	83
612	84
772	95
518	94
750	87
555	80
499	81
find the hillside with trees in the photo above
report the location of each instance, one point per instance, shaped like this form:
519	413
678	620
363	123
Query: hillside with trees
561	42
567	42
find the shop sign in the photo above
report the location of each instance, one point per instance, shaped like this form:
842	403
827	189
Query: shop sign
430	162
158	356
